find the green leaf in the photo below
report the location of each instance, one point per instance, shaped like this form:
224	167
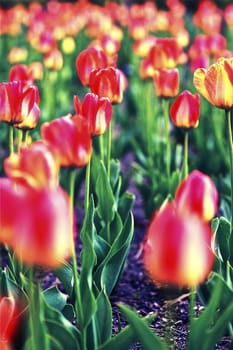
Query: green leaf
88	261
209	327
108	272
114	171
60	328
55	298
222	234
125	204
103	318
125	338
65	275
106	201
144	334
62	334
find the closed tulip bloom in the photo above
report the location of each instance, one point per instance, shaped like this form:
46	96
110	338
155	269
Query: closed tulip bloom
198	195
20	72
185	110
88	60
108	82
9	318
19	103
34	165
171	246
97	111
216	83
71	144
53	60
166	82
38	234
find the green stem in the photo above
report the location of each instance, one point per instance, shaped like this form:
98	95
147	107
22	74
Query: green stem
150	120
77	303
87	186
101	147
230	142
185	161
11	139
109	144
20	138
167	136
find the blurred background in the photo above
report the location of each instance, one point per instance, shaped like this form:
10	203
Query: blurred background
191	4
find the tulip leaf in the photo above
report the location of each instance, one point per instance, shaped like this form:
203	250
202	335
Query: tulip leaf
106	201
65	275
88	261
146	337
55	298
103	318
209	327
221	228
126	337
108	272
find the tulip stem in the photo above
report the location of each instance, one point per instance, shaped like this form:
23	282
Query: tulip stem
185	161
11	139
87	186
230	142
167	136
77	303
109	143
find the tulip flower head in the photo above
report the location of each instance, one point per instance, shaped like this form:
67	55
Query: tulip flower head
88	60
197	195
171	246
70	144
166	82
19	104
34	165
8	321
31	229
97	111
108	82
185	110
216	83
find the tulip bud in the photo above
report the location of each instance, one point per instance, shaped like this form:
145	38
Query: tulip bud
198	195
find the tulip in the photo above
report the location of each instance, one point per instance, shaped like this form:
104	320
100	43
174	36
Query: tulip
19	104
88	60
185	110
35	166
171	246
35	229
96	111
216	83
53	60
108	82
20	72
166	53
8	321
17	54
197	195
166	82
70	142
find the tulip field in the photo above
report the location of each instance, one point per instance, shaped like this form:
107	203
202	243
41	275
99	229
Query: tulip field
107	111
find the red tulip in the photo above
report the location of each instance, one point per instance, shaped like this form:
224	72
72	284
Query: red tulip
9	319
108	82
96	111
71	144
171	246
166	82
185	110
88	60
198	195
53	59
38	223
35	166
20	72
19	104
